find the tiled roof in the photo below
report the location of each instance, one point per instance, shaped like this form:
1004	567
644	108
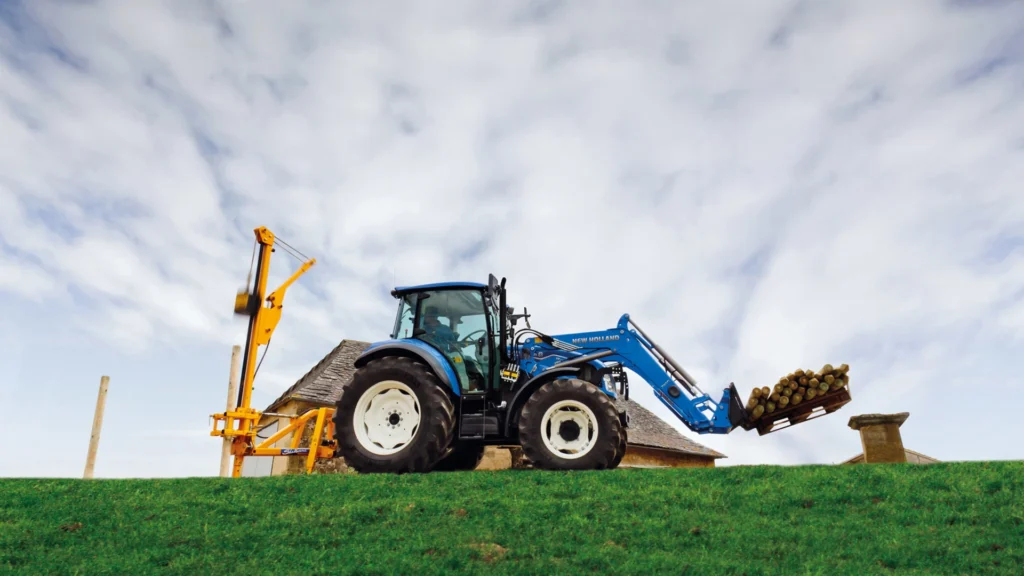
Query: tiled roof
323	383
647	429
912	457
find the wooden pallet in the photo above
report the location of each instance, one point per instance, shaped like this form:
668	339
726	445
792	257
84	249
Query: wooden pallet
807	410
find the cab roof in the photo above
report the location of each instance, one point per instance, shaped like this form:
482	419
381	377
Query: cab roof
400	290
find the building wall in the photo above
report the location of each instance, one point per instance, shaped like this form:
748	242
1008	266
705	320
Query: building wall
915	458
297	464
277	465
501	458
645	457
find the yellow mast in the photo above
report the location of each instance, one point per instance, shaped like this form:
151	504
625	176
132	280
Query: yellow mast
262	322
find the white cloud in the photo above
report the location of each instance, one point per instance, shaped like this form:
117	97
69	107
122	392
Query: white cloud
800	185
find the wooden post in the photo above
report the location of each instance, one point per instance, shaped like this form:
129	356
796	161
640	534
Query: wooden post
97	425
236	370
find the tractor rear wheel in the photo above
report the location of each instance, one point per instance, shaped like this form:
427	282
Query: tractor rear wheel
570	424
393	416
464	456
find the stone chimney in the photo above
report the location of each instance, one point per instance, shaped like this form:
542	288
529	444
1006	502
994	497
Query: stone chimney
880	436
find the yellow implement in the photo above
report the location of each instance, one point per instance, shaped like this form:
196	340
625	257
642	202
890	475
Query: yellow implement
264	313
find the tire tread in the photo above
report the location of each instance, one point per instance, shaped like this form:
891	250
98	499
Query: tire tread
602	456
435	405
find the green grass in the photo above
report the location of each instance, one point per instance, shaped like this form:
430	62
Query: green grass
952	518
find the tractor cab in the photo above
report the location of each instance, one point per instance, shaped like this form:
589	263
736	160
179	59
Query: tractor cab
462	321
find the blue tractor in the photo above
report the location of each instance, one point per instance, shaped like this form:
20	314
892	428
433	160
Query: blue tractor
457	375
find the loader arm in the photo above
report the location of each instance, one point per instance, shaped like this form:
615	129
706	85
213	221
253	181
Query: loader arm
629	346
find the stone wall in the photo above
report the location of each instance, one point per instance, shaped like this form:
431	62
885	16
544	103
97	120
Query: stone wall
645	457
322	465
495	458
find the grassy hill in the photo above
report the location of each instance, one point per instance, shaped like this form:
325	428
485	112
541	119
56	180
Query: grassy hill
955	518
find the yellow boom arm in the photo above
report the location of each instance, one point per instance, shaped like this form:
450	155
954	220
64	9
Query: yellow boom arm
263	321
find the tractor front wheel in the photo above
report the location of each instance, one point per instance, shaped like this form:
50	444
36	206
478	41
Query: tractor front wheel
620	452
393	416
569	424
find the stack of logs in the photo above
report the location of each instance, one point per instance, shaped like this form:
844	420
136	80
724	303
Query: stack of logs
797	387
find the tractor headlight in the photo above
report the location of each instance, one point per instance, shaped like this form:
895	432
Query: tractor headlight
608	382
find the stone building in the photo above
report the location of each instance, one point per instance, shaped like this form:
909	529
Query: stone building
651	441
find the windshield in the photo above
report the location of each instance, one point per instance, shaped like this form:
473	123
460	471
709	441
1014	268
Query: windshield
455	323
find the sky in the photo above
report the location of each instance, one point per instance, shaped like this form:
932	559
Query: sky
763	186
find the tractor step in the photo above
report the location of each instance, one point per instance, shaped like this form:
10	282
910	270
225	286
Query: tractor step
477	426
802	412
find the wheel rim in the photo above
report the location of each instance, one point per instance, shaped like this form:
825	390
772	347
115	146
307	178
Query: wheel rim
387	417
569	429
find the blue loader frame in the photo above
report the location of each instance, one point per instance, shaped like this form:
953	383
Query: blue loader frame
628	345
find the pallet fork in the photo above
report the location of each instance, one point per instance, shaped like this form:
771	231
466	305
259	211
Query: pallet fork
240	423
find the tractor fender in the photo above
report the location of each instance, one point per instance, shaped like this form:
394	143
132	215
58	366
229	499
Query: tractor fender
528	388
417	350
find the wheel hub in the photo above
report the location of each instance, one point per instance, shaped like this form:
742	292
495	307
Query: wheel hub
569	429
387	417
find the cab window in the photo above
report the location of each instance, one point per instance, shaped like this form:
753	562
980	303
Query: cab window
455	323
403	322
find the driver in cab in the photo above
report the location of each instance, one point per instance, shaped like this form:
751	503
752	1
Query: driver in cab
448	340
433	327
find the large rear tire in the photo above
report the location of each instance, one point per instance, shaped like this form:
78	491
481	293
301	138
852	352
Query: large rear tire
393	416
569	424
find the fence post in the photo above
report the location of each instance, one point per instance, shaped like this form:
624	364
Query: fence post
97	425
236	369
